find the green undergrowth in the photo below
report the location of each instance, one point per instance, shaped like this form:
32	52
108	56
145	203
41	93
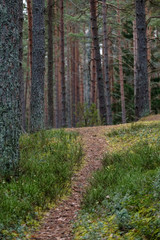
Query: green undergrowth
47	162
123	200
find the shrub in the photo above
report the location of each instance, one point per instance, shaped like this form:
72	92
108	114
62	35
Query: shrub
48	160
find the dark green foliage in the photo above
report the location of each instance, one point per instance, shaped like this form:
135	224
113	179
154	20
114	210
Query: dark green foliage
9	87
155	95
87	116
116	106
128	30
47	162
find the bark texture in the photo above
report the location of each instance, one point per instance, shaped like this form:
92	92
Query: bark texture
100	82
38	67
106	65
21	74
63	90
135	57
29	63
121	75
50	63
10	121
142	94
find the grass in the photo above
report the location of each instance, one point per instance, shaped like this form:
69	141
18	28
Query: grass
123	200
47	162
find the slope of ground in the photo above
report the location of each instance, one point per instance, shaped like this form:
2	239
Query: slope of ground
58	222
123	200
151	118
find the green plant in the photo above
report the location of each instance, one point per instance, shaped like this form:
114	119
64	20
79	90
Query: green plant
87	115
124	195
47	162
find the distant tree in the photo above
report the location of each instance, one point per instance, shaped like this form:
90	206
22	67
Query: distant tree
63	90
50	63
142	93
106	64
100	82
38	66
10	117
29	61
121	75
21	74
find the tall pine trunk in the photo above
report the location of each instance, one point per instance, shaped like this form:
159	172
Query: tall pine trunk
38	67
10	123
135	57
29	77
63	90
50	63
21	75
100	82
142	94
106	67
121	75
73	50
68	82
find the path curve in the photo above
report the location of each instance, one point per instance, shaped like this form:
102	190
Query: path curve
58	223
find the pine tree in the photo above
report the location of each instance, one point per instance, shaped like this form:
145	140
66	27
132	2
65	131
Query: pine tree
142	93
106	67
10	121
50	63
100	82
63	90
38	67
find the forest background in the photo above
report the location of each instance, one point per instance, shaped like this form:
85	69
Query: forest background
71	97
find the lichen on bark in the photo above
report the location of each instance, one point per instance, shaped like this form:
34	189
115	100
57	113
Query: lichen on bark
9	86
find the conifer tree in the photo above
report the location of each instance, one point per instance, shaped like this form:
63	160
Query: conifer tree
10	117
38	67
142	93
50	63
106	67
100	82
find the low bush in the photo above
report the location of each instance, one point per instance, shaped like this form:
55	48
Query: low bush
47	162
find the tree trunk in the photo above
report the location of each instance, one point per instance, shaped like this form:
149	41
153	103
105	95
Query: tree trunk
77	77
56	99
111	69
135	57
106	67
100	82
142	95
63	93
10	123
50	63
68	82
21	75
73	81
121	71
93	75
30	42
38	67
87	71
148	36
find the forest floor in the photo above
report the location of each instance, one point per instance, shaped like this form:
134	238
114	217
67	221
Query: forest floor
57	225
58	222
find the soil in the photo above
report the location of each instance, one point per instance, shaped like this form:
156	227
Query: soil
58	222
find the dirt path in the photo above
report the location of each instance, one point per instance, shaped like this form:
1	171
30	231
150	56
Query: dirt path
57	225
